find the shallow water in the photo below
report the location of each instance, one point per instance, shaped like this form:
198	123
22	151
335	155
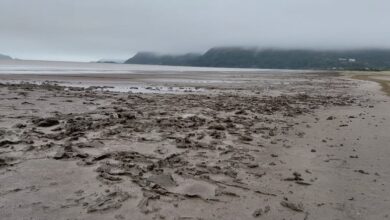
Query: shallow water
136	78
50	67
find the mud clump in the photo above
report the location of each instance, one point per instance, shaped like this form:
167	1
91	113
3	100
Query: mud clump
3	163
292	206
6	143
6	161
46	122
68	152
108	202
260	212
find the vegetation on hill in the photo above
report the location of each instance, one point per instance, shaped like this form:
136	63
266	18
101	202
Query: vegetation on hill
370	59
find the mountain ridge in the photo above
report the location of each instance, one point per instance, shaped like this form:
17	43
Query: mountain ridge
5	57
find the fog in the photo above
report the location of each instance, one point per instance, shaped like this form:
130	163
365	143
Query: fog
94	29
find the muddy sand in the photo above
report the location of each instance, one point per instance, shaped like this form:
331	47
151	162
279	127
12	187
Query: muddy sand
233	146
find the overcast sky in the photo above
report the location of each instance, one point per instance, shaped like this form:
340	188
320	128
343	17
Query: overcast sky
93	29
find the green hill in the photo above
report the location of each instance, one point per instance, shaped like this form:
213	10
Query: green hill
237	57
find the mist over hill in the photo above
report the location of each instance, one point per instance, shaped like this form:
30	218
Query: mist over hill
238	57
114	61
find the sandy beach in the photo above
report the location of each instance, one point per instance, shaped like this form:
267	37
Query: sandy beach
194	145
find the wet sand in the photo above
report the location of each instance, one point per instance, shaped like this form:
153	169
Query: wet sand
382	78
245	146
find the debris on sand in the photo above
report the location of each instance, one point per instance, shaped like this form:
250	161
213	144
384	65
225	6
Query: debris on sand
259	212
109	201
330	118
144	204
303	183
196	189
297	177
6	143
293	206
362	172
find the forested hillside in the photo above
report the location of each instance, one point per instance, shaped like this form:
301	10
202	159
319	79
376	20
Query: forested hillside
273	59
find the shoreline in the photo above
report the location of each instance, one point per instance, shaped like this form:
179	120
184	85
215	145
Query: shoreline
381	78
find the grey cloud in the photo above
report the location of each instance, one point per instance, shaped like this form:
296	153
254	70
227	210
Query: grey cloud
93	29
